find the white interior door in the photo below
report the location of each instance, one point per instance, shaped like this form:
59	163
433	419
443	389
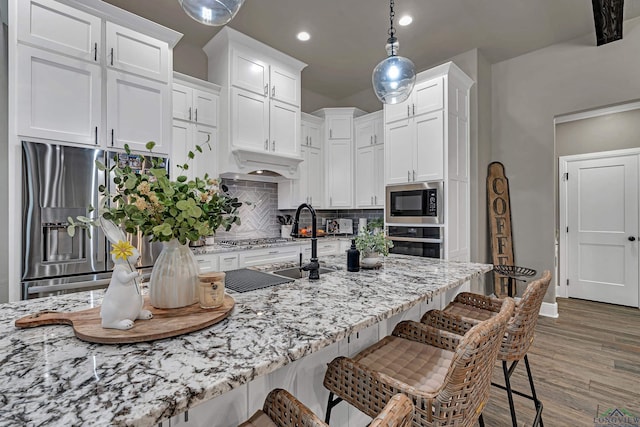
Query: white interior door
602	218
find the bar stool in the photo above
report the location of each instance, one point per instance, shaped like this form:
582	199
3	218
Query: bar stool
446	376
473	308
281	409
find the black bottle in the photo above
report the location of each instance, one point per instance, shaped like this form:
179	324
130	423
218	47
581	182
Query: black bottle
353	257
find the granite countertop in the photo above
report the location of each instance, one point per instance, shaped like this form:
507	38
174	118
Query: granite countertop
52	378
218	248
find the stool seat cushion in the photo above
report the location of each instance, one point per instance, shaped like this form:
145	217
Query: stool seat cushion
259	419
469	311
421	366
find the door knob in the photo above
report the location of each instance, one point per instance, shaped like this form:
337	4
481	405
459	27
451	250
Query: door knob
632	239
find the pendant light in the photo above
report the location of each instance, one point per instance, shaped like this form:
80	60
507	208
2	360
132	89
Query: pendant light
211	12
394	77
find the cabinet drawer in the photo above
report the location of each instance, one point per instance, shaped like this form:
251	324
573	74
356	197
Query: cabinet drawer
324	249
268	256
55	26
207	263
228	262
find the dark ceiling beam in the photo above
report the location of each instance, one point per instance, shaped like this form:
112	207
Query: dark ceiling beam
607	16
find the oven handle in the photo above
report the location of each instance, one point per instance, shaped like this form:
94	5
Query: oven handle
414	239
66	286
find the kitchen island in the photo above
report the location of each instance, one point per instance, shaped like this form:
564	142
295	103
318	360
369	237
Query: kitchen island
49	377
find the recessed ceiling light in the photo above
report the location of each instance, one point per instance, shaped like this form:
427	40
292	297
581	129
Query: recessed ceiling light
303	36
405	20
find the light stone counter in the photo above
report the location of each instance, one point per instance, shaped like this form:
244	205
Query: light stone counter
222	248
49	377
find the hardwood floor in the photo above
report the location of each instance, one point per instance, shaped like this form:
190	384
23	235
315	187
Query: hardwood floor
588	357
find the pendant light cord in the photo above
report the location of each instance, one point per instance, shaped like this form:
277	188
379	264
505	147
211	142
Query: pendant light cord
392	30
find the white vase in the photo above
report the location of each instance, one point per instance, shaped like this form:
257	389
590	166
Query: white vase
370	260
174	278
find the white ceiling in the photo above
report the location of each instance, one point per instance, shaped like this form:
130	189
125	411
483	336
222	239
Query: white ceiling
348	36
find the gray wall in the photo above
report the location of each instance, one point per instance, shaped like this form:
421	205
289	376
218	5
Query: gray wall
604	133
527	93
190	60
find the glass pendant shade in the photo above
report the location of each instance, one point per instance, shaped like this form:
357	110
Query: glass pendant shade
211	12
393	79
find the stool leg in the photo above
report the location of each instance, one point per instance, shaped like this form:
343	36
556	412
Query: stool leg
481	421
533	394
509	394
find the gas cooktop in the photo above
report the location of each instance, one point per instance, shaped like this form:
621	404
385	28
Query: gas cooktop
252	242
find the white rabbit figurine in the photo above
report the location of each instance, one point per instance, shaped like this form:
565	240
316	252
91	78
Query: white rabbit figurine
122	303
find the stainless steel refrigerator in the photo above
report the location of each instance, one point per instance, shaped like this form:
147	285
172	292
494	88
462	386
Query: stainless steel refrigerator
4	154
59	182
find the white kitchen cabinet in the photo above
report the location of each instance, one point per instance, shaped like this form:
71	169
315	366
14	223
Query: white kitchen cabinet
228	261
427	96
260	104
185	137
195	105
310	185
195	119
324	249
55	26
60	97
369	175
208	263
268	256
339	155
229	409
131	51
138	111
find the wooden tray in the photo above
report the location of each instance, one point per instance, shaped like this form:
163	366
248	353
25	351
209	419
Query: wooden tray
164	324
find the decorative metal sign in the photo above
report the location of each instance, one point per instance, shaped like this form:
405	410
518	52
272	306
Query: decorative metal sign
499	215
608	17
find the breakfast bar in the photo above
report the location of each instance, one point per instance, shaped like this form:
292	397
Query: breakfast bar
50	377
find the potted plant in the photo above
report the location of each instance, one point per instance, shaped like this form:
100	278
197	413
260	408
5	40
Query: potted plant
170	211
371	245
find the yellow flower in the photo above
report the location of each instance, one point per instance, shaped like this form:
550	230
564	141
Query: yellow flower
122	249
153	198
141	204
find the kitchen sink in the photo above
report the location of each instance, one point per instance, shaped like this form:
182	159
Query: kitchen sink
296	273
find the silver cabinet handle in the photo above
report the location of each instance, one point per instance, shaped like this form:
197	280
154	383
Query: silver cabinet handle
112	137
273	146
408	176
330	201
266	89
266	144
196	115
273	91
414	109
96	137
95	52
310	200
111	56
189	113
330	133
375	139
414	175
408	112
371	140
375	200
371	199
273	253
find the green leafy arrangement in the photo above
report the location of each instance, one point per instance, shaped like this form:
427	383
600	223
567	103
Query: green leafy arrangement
164	209
370	242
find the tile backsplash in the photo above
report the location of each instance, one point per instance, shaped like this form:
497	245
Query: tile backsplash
258	212
259	215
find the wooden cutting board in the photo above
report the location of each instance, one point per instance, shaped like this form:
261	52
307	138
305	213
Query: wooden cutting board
164	324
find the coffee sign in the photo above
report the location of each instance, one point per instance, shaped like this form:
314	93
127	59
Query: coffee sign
499	213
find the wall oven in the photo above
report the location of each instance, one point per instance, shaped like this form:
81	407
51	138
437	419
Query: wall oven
416	203
416	240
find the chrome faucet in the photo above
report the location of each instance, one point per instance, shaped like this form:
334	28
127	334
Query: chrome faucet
313	267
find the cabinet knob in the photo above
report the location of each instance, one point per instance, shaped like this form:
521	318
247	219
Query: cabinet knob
632	239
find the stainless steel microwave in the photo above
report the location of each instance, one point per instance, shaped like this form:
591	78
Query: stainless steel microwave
416	203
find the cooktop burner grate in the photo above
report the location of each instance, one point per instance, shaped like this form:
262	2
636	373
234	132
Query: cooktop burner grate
251	242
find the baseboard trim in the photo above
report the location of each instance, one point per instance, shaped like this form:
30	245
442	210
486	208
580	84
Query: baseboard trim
547	309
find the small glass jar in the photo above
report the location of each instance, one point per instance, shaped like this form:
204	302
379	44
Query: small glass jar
211	289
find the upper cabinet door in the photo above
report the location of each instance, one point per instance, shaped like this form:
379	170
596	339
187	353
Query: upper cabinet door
340	127
55	26
285	86
137	112
364	133
136	53
205	105
182	102
284	129
249	72
60	97
399	111
249	120
428	96
429	137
